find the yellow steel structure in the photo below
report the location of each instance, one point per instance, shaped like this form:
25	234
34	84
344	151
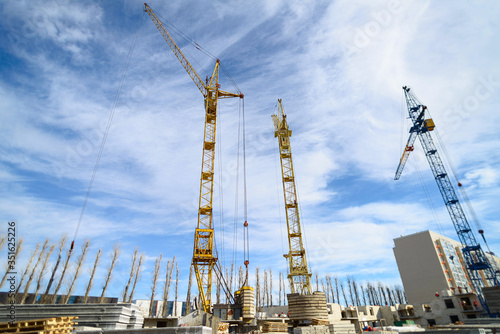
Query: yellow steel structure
299	276
204	258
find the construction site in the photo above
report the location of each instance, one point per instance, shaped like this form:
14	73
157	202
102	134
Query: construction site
449	285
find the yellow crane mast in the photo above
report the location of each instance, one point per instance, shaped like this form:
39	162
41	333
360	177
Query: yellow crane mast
299	276
204	259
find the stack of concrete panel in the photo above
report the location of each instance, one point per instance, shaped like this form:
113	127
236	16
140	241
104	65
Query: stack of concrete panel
164	330
311	330
112	316
307	307
343	327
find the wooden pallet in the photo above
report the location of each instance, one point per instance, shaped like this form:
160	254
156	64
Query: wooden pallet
59	325
316	321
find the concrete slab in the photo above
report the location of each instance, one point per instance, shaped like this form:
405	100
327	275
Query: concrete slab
112	316
201	318
165	330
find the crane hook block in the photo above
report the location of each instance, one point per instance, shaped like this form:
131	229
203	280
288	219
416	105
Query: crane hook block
246	224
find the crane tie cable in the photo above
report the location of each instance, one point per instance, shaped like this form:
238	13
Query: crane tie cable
106	132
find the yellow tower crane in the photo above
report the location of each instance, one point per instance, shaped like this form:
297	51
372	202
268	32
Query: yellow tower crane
299	276
204	259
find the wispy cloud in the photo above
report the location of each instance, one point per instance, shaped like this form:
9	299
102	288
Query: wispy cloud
338	66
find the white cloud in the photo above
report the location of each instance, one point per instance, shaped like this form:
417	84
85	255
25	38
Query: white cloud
342	97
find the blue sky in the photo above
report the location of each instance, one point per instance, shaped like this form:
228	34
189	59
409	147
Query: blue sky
337	65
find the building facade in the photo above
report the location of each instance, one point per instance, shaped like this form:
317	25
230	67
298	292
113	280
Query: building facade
435	279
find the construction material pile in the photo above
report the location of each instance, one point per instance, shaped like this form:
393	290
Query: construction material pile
274	327
223	328
60	325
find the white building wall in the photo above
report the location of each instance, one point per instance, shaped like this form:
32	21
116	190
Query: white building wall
175	308
419	266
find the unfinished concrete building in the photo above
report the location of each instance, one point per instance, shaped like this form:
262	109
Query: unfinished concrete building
435	280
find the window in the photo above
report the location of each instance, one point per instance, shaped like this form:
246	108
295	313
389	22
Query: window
427	308
466	304
454	318
471	316
371	311
431	322
449	303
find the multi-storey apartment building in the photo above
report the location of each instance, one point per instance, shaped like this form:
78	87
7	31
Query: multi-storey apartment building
433	272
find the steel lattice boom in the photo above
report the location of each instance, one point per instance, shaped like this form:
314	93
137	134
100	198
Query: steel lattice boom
476	261
299	276
204	259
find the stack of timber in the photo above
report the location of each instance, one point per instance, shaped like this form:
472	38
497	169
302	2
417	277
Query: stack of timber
274	327
323	322
307	307
59	325
223	328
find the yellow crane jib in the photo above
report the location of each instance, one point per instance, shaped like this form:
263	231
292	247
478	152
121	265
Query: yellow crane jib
299	275
204	259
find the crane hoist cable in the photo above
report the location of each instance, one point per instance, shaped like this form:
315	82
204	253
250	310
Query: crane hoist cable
246	238
221	196
241	156
427	195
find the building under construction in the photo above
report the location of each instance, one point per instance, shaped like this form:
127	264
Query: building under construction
448	284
